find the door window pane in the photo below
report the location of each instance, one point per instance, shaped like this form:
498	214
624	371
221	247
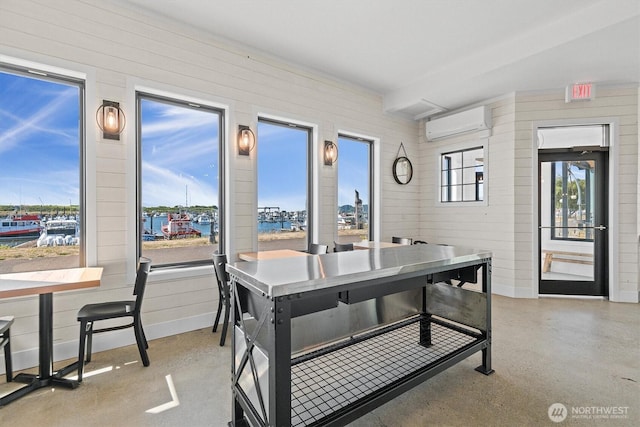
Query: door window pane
572	207
354	189
41	142
179	163
566	232
283	182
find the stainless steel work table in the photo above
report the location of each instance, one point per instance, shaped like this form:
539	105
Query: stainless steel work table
324	339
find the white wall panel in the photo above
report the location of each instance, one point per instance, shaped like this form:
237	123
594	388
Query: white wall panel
612	104
122	45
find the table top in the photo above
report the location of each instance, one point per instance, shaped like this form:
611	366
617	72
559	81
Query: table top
374	245
48	281
287	276
275	254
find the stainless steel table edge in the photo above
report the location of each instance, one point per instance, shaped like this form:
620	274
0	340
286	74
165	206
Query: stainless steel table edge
274	283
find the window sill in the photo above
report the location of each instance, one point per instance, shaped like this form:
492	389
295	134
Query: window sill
165	275
460	204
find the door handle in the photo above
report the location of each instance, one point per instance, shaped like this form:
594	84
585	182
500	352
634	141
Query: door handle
545	227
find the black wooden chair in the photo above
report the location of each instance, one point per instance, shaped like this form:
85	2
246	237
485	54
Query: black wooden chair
342	247
222	277
91	313
317	249
5	341
402	240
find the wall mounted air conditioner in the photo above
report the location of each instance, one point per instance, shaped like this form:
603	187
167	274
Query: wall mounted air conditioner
472	120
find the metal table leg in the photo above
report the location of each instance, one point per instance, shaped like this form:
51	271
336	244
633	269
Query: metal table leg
45	377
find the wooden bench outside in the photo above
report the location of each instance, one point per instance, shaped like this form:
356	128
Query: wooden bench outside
564	256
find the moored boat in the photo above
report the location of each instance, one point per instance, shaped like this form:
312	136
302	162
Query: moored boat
179	226
64	227
203	219
20	226
149	236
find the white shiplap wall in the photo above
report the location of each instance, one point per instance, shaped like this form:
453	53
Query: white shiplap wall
121	49
489	225
615	105
506	225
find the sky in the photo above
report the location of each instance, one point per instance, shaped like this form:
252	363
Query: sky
40	152
39	148
282	168
179	155
353	164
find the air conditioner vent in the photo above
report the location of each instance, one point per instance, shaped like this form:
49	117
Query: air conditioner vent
472	120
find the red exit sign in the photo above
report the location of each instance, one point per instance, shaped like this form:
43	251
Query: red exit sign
580	92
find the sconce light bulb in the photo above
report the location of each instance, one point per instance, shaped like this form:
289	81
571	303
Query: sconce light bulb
111	119
330	153
246	143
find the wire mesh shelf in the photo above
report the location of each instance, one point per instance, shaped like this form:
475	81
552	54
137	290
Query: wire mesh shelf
331	382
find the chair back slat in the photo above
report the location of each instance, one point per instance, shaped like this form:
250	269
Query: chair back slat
144	266
343	247
220	265
402	240
317	249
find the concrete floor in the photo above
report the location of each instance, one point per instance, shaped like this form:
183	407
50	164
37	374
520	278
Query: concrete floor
584	354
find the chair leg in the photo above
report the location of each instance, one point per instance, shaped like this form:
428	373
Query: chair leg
227	307
89	333
141	341
7	357
215	322
144	338
81	347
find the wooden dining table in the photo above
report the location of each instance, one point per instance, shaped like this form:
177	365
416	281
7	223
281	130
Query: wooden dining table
44	284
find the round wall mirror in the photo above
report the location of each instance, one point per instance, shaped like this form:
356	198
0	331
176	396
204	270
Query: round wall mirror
402	170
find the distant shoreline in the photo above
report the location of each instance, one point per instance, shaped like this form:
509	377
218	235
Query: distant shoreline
278	240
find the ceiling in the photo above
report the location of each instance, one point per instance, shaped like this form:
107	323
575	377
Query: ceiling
428	56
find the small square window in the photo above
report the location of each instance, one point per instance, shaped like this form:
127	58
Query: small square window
462	175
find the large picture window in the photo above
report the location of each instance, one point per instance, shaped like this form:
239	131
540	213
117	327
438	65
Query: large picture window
283	185
462	175
41	170
354	189
180	180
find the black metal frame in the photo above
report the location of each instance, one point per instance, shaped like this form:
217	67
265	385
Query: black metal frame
177	101
270	330
45	377
599	286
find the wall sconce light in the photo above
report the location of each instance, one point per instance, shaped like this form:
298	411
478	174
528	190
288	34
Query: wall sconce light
330	153
246	140
111	119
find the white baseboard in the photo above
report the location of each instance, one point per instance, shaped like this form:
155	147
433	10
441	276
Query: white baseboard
626	296
512	291
68	350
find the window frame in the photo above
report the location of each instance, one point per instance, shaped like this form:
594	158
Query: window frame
310	171
58	75
481	144
370	158
184	102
